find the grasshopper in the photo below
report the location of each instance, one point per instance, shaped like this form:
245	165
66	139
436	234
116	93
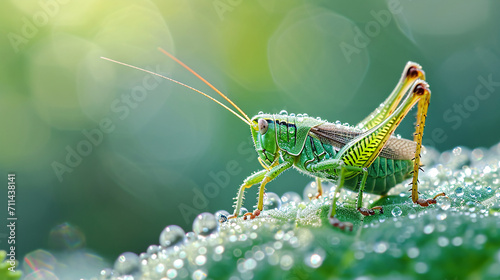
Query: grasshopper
362	158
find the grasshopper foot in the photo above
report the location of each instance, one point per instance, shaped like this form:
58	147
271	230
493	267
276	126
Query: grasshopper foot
370	212
426	202
251	215
341	225
366	211
317	195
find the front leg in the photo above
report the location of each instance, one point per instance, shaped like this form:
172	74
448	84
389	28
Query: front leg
270	175
320	189
249	181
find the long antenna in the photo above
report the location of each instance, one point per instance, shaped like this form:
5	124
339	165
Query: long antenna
182	84
206	82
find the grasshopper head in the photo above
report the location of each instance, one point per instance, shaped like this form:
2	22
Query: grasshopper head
264	138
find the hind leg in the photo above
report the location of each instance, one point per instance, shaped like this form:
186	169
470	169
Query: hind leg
411	73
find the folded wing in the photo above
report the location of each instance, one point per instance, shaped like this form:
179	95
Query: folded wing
338	135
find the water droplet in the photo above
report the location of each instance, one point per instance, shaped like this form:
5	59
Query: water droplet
221	216
41	274
428	229
178	263
286	261
315	259
396	211
279	234
219	249
283	112
232	238
271	201
310	191
444	202
199	274
489	190
127	264
421	267
243	237
39	260
153	250
457	151
259	255
171	236
380	247
443	241
480	239
413	252
250	264
171	273
459	191
412	213
441	216
200	260
359	255
441	227
190	237
237	252
144	257
106	274
260	113
205	224
66	237
300	117
471	205
433	172
160	268
290	197
477	154
457	241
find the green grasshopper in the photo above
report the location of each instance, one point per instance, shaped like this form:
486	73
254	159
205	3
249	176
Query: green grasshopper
366	157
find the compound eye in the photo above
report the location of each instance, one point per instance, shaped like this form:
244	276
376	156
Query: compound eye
263	126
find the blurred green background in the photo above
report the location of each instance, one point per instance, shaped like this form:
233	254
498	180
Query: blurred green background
121	155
